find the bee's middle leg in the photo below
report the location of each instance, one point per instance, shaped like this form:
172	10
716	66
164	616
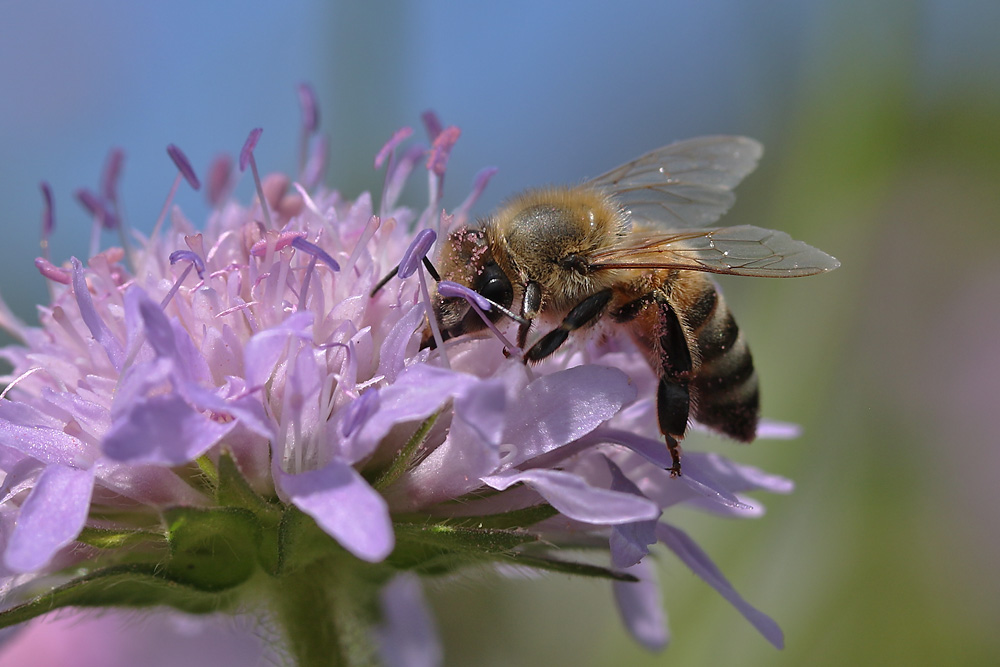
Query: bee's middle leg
582	314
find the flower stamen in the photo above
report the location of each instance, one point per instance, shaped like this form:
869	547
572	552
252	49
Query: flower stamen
195	263
246	157
184	171
480	303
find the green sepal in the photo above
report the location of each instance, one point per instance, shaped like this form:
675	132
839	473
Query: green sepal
134	586
522	518
566	567
441	548
104	538
404	457
212	549
462	538
234	491
302	542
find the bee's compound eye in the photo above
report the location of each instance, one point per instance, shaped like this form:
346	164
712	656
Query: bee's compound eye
494	284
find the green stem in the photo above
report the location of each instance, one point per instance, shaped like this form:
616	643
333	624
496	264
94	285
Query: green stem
326	612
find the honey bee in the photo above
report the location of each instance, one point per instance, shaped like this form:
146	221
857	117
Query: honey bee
633	247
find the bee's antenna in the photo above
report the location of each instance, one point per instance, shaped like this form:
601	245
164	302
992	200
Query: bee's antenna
431	270
389	276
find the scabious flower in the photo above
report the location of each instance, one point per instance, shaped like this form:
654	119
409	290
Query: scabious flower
237	420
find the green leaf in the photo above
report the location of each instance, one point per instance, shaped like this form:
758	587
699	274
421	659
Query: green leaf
134	586
212	549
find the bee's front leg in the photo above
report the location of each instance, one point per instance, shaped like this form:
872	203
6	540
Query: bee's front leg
582	314
531	303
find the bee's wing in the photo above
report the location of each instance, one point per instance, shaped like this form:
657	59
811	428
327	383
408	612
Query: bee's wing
742	250
683	185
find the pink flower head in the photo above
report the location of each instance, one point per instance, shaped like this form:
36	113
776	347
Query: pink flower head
249	379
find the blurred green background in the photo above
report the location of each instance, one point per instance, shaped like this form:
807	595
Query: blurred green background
882	128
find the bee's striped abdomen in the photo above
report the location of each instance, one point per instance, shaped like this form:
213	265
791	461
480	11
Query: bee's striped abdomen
725	384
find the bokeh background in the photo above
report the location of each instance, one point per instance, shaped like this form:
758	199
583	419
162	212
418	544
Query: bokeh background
882	127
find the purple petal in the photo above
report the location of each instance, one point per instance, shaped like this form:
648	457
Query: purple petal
184	166
469	452
705	485
654	451
359	411
51	517
483	407
396	346
692	555
263	351
24	429
345	506
248	147
768	429
150	485
162	430
20	477
98	329
158	330
415	395
576	499
738	477
407	634
310	108
641	607
246	410
416	252
92	418
559	408
630	541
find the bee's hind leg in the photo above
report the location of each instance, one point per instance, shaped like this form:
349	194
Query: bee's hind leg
582	314
673	395
670	348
